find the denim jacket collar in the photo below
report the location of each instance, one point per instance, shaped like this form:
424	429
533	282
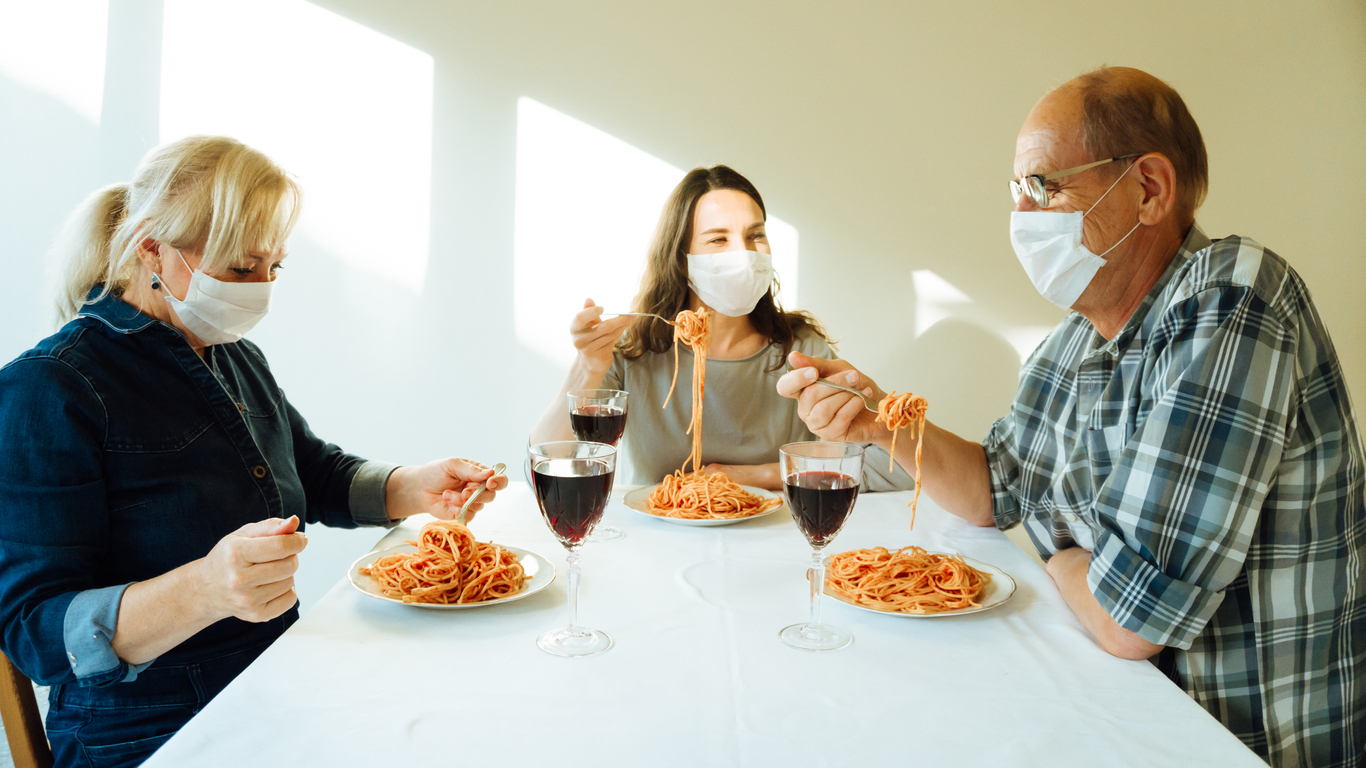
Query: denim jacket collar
118	314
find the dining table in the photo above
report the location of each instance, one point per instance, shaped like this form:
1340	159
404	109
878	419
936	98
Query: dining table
697	675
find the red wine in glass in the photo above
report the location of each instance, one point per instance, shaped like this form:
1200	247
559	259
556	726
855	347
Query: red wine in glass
821	502
573	494
573	481
598	423
820	481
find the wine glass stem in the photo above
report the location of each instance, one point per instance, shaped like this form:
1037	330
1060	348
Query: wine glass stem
574	572
817	574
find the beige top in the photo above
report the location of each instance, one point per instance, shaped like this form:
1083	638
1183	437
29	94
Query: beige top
744	419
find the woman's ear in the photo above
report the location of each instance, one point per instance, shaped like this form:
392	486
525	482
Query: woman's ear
149	251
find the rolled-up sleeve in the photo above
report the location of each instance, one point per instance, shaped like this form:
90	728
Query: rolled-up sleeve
88	632
1003	468
54	522
1179	510
367	493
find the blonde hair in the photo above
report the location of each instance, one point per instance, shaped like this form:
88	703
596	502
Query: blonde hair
211	194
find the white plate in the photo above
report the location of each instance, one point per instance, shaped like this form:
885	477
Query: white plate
637	501
539	573
997	592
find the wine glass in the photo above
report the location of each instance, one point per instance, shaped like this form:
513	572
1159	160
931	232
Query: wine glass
599	416
572	481
820	483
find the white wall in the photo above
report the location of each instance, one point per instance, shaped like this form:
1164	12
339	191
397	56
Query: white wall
883	133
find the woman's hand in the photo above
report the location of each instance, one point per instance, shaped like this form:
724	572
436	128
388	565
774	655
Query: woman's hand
595	338
764	476
440	488
249	574
830	413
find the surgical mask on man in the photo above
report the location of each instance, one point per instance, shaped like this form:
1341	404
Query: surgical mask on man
731	282
1048	244
216	311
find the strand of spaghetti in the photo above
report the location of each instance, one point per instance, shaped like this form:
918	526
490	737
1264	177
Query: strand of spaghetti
449	567
898	412
908	580
696	495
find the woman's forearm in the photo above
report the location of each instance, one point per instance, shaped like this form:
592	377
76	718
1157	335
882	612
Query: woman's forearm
554	423
158	614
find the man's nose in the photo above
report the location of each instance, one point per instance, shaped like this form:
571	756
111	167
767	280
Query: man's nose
1026	203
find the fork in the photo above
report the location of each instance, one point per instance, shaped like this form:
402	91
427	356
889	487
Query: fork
498	469
638	314
868	402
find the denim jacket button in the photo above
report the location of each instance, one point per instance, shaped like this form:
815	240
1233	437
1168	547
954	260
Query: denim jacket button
259	471
241	407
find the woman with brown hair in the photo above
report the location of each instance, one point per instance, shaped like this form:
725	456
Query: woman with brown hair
710	250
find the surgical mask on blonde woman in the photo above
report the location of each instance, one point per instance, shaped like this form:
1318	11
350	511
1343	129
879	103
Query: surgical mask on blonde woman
216	311
731	282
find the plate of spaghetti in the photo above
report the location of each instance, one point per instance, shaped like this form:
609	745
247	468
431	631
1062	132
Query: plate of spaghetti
915	583
702	500
447	569
698	498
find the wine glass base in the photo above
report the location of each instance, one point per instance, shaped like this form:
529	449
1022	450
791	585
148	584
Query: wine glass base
808	637
605	533
578	641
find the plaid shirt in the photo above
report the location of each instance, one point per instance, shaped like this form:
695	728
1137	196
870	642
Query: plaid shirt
1208	458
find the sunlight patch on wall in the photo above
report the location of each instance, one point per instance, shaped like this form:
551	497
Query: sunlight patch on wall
586	205
937	299
345	109
57	48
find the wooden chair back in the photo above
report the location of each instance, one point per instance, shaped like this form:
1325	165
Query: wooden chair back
23	725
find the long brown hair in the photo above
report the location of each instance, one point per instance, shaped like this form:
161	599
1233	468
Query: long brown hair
664	289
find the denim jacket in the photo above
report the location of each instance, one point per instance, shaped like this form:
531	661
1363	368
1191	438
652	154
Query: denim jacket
124	455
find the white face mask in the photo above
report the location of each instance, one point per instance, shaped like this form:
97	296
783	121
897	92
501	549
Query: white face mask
731	282
219	312
1048	244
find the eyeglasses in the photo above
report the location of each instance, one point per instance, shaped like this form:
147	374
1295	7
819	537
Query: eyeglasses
1033	185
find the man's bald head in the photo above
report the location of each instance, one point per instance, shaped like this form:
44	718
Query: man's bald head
1125	110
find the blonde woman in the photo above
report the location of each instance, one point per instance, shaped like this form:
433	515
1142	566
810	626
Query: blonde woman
710	249
154	479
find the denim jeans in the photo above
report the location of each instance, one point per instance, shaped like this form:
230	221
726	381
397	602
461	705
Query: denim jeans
123	725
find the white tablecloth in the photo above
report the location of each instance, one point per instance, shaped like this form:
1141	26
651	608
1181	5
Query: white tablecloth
698	676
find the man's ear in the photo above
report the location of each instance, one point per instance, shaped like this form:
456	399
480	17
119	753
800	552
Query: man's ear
1158	177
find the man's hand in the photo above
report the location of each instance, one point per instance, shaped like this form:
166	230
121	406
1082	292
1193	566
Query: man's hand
439	488
830	413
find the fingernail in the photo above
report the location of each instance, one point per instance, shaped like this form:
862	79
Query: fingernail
809	374
851	377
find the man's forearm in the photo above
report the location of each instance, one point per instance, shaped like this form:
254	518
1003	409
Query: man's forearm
953	471
1068	570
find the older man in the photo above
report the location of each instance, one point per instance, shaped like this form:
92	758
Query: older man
1181	448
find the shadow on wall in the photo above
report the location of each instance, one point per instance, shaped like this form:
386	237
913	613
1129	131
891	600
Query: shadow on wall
975	374
47	162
